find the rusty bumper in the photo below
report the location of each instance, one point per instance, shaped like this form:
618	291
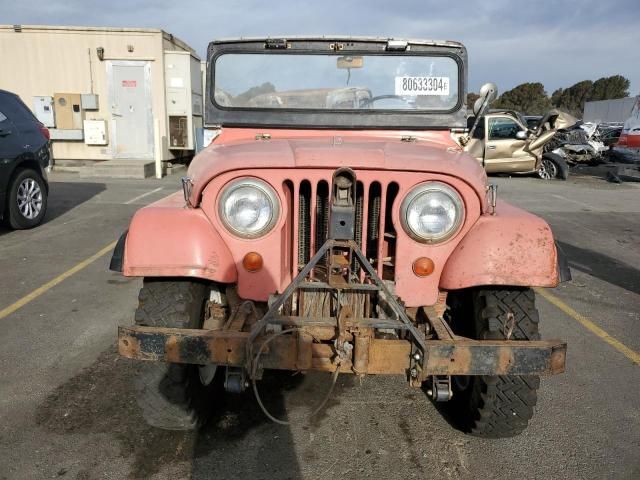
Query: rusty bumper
458	356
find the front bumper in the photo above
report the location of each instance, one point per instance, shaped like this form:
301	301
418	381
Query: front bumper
459	356
343	342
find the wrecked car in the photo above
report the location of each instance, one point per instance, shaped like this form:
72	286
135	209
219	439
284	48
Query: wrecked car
578	143
501	141
532	121
609	134
349	234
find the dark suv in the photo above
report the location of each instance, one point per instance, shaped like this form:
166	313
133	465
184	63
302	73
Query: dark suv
25	153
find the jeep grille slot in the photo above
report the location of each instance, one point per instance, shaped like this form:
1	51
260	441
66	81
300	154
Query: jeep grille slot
374	231
321	220
304	222
373	221
388	257
359	219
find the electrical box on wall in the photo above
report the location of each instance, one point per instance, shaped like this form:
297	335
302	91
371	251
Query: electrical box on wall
183	88
95	132
89	101
68	111
43	108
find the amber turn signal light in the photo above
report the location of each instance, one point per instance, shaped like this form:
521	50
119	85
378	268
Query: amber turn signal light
252	262
423	266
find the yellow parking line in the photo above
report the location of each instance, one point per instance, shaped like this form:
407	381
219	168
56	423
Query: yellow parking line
52	283
589	325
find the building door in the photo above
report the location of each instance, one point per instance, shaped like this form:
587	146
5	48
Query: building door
131	132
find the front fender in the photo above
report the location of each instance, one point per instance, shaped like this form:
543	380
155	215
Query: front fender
168	239
512	247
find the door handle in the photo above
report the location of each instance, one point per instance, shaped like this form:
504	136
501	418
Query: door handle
4	133
491	147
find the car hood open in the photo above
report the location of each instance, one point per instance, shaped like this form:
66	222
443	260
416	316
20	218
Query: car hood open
557	119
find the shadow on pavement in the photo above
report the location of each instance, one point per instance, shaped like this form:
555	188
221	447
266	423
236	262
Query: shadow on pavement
603	267
240	442
237	442
64	196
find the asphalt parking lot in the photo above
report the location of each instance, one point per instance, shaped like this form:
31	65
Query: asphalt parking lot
66	404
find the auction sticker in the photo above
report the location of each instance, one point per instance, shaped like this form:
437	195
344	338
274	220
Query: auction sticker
422	85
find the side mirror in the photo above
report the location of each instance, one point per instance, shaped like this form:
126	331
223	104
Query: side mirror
488	93
521	135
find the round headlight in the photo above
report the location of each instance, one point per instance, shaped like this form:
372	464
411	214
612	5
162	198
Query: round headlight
432	212
249	207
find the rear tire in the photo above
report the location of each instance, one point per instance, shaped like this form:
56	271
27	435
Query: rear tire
171	395
495	406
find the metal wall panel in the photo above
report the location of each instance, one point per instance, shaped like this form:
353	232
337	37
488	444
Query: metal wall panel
608	110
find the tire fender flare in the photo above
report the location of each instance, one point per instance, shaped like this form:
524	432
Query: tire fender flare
167	239
512	247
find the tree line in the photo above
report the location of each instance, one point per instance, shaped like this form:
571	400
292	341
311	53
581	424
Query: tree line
532	99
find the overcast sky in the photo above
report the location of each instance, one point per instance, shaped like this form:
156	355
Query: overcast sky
555	42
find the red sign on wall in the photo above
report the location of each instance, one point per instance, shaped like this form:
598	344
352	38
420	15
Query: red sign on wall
129	83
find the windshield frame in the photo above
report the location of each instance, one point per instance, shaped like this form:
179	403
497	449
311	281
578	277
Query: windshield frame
218	115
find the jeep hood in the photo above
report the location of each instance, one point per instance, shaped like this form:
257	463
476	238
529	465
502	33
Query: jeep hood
332	152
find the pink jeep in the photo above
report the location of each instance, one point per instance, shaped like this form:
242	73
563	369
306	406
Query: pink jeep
335	224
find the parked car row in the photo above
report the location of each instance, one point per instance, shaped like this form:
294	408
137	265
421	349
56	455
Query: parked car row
25	154
505	141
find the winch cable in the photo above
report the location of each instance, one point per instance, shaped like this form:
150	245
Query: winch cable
318	409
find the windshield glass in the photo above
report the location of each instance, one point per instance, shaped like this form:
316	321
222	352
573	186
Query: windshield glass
333	82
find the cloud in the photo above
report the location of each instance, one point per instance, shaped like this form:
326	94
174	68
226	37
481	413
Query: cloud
558	43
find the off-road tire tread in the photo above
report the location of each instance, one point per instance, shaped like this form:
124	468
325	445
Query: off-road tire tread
500	406
505	404
170	394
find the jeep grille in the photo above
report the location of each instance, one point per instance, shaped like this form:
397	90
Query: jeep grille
375	233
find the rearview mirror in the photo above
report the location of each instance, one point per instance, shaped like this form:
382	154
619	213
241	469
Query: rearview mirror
350	62
521	135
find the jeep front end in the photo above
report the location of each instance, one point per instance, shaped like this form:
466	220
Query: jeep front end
336	225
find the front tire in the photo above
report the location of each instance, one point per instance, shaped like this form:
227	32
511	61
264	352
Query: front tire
172	396
553	166
27	202
495	406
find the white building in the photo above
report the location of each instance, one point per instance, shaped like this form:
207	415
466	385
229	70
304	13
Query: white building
131	96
